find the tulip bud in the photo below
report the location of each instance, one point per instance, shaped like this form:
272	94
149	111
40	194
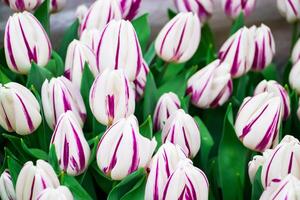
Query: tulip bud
203	8
111	97
238	52
22	5
57	5
179	39
34	179
296	52
283	160
211	86
122	149
25	41
233	8
256	163
140	81
288	188
258	121
91	38
93	19
264	47
187	182
72	150
167	104
129	8
182	129
298	110
19	109
77	55
277	90
294	77
290	9
7	191
60	193
81	11
60	95
119	48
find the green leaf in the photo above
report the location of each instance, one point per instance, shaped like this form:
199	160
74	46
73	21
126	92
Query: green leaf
146	129
184	103
104	182
171	71
237	24
137	192
150	96
14	168
143	31
37	76
56	65
35	153
3	78
86	180
53	159
150	54
240	88
257	188
286	72
270	72
171	13
16	144
77	190
158	140
43	15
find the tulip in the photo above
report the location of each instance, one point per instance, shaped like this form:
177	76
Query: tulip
60	193
258	121
140	81
111	97
77	55
57	5
7	191
233	8
72	150
186	182
162	165
167	104
60	95
129	8
288	188
256	163
182	129
91	38
22	5
25	41
264	47
81	11
296	52
294	77
290	9
19	109
122	149
34	179
283	160
211	86
119	48
203	8
298	110
94	19
238	52
179	39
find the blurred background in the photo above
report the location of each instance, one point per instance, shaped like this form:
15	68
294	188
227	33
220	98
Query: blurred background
266	12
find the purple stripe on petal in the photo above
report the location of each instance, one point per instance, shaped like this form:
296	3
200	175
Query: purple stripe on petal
9	48
81	154
278	192
32	188
118	48
155	194
181	196
156	118
192	187
8	124
113	161
186	141
99	47
177	53
202	11
236	64
291	163
66	154
27	116
138	51
20	5
165	37
293	7
269	165
167	187
135	160
168	171
110	106
133	9
43	183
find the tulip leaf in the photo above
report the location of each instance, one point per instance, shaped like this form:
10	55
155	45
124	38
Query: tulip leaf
3	78
56	65
146	129
143	30
286	72
138	191
14	169
171	13
53	159
86	180
158	140
37	76
16	144
184	103
270	72
240	88
43	15
150	96
150	54
237	24
171	71
231	150
257	188
33	152
77	190
104	182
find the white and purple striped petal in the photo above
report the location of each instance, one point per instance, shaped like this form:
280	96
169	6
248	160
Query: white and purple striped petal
257	162
60	193
7	190
91	38
290	9
22	5
233	8
57	5
129	8
140	81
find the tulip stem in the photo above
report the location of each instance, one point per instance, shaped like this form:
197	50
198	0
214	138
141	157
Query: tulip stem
295	34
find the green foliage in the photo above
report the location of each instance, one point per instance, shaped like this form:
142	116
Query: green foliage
143	30
238	23
37	76
257	188
42	14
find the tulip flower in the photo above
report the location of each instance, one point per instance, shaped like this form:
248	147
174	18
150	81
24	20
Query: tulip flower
258	121
294	77
211	86
233	8
19	109
264	47
60	95
25	41
72	150
296	52
93	19
162	165
77	55
298	110
34	179
91	38
283	160
167	104
256	163
129	8
290	9
179	39
140	81
60	193
81	11
57	5
288	188
203	8
122	149
111	97
238	51
7	191
23	5
182	129
119	48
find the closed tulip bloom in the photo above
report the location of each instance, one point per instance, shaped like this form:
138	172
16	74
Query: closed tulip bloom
167	104
60	95
7	190
60	193
22	5
294	77
182	129
72	150
256	163
111	97
290	9
91	38
77	55
296	52
19	109
81	10
34	179
140	81
57	5
129	8
238	52
264	47
93	19
233	8
203	8
211	86
258	121
122	149
25	41
119	48
179	39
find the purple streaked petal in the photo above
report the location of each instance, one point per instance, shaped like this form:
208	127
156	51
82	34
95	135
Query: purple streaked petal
118	48
290	163
80	148
9	48
114	159
27	116
65	154
32	188
269	165
135	160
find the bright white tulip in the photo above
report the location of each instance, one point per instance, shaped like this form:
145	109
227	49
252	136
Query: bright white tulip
296	52
257	162
22	5
290	9
233	8
91	38
60	193
294	77
7	190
